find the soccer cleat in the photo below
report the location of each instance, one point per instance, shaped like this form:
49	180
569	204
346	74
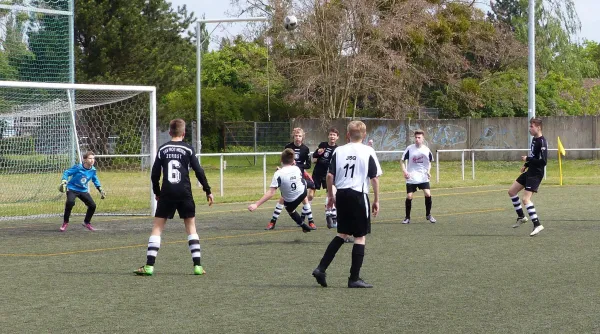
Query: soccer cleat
198	270
406	221
520	221
305	228
64	226
359	283
144	271
312	225
320	277
536	230
329	221
431	219
270	226
88	226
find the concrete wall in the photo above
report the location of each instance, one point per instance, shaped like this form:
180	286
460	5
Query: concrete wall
487	133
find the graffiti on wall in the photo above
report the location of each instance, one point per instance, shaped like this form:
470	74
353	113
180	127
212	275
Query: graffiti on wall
446	135
493	136
388	139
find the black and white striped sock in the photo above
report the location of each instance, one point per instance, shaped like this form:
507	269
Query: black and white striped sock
517	204
194	245
153	247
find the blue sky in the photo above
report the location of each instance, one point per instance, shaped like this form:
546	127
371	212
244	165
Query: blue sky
214	9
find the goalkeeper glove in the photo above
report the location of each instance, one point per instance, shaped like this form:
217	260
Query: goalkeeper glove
102	193
63	186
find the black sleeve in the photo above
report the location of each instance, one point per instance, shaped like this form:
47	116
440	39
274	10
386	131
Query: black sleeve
332	164
405	156
372	168
199	173
322	145
304	156
155	175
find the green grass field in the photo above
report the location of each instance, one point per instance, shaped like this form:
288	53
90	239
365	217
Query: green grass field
469	273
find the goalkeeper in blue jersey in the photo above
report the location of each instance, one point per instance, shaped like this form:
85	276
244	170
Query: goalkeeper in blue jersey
75	184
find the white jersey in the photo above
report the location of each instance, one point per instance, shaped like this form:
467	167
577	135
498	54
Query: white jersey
353	165
290	182
419	162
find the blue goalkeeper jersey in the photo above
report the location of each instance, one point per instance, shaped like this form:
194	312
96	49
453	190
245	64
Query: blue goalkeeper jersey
80	176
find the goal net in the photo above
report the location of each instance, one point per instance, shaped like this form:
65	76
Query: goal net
46	127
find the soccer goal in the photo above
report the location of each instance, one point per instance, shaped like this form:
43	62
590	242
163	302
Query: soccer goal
46	127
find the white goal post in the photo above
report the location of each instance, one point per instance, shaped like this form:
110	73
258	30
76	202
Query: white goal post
46	127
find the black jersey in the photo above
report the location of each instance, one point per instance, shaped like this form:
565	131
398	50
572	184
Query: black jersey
174	159
301	155
538	157
323	159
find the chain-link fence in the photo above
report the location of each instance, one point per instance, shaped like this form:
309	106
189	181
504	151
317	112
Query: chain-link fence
254	137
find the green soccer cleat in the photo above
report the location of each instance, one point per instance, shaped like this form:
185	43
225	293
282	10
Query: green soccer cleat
144	271
198	270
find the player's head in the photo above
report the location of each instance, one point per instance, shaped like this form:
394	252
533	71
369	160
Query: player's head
419	137
333	135
89	158
287	157
177	128
357	131
298	134
535	126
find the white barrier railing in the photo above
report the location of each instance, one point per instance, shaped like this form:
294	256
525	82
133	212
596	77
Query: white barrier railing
437	157
264	155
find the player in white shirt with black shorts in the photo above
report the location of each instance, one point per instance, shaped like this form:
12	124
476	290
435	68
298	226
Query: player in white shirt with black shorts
352	167
292	185
417	172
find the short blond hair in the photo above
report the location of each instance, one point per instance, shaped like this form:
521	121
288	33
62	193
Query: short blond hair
298	130
357	130
177	127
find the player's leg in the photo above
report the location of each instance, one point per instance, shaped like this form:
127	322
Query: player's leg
276	213
87	199
410	190
187	212
290	207
428	202
307	212
164	210
361	227
513	193
69	204
531	186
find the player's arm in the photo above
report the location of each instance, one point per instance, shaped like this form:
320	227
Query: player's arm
305	159
331	180
201	176
373	173
155	175
65	178
405	157
430	164
318	152
540	155
267	196
96	182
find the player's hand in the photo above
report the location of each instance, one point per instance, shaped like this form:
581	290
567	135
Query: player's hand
63	186
330	202
428	175
252	207
156	197
524	158
406	175
523	169
370	142
375	208
102	193
210	198
320	151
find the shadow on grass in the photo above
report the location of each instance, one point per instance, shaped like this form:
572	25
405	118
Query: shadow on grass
280	242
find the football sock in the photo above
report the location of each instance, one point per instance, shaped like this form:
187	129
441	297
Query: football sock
330	252
358	254
153	247
334	212
307	212
296	217
532	214
194	245
89	213
427	205
277	212
407	207
517	204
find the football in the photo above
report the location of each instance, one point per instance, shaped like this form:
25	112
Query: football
290	22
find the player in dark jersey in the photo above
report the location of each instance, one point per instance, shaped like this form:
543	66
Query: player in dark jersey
302	161
322	158
174	159
531	177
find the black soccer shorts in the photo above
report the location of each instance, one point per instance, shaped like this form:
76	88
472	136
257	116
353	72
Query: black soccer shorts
320	181
354	212
166	209
411	188
530	182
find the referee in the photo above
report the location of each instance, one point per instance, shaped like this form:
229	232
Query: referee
351	167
